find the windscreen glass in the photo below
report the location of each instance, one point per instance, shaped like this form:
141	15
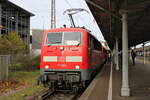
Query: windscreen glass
65	38
72	38
54	38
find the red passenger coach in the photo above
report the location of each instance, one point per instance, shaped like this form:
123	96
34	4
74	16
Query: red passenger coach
69	57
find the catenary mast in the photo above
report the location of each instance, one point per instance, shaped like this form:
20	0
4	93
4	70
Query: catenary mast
53	14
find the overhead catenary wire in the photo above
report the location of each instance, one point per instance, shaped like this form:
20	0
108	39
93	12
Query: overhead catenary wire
91	16
85	22
68	3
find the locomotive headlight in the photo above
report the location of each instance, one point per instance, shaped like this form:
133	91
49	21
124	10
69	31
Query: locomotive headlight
61	48
46	67
77	67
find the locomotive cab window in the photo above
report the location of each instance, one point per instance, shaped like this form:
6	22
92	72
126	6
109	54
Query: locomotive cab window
72	38
65	38
53	38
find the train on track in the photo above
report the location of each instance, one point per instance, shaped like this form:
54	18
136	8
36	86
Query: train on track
70	57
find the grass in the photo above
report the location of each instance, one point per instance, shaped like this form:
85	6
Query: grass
27	79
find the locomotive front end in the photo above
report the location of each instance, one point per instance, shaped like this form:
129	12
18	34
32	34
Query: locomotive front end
62	58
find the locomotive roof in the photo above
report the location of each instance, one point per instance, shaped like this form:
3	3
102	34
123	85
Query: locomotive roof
68	29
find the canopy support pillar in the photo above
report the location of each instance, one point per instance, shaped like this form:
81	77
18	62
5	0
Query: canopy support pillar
125	90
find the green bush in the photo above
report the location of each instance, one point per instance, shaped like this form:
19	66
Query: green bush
11	43
26	63
16	66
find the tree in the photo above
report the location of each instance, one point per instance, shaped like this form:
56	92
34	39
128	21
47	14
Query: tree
12	44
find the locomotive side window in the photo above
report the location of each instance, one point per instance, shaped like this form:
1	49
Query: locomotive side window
72	38
54	38
94	43
89	41
97	44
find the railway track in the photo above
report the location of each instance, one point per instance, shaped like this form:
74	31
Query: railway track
42	95
64	96
48	94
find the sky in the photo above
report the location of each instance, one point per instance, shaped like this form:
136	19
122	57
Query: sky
42	8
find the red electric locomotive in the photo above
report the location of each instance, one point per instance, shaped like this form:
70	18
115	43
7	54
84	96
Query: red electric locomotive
69	57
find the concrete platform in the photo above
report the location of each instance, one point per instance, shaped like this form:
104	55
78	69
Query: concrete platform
103	89
98	89
139	82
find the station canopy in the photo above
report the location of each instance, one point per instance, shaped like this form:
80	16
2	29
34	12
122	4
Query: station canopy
107	13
